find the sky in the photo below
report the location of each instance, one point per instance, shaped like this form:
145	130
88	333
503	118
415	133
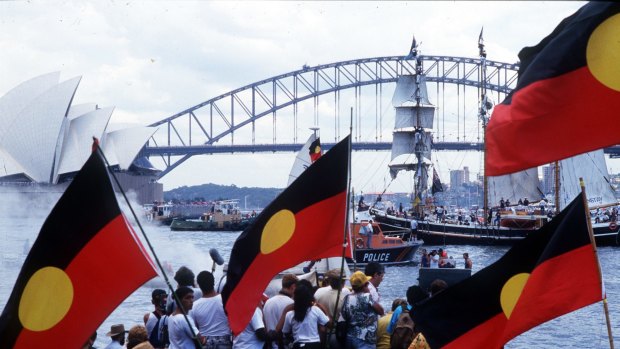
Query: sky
152	59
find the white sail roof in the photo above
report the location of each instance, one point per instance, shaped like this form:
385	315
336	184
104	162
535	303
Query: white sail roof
514	186
80	109
78	140
125	144
33	136
593	169
14	101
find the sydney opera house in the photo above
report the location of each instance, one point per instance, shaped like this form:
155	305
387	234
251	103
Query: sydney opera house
45	139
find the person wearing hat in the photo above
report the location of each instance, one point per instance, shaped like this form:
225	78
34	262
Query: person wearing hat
327	295
159	300
117	333
361	313
333	274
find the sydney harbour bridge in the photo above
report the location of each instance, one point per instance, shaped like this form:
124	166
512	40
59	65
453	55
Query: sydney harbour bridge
275	114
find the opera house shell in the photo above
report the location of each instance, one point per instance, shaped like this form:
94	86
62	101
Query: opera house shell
45	139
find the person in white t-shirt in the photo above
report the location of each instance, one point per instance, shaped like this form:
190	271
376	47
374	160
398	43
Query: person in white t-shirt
375	272
254	334
209	315
183	333
306	321
272	311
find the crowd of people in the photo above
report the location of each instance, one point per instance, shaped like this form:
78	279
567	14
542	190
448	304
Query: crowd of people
300	316
440	259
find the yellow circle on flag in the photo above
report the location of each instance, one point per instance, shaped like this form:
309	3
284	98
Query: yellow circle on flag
46	299
511	292
277	231
603	52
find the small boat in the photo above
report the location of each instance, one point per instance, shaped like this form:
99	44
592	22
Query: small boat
387	250
450	275
161	214
224	215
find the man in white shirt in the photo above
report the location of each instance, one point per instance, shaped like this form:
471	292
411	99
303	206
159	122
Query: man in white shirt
183	333
376	272
254	334
209	315
117	333
276	304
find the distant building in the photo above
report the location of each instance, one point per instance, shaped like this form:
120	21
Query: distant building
549	179
466	174
457	178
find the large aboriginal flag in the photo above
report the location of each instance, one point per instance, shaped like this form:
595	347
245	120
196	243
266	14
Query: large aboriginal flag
567	96
305	222
551	272
84	263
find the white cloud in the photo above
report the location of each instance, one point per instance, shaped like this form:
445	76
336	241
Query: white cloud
152	59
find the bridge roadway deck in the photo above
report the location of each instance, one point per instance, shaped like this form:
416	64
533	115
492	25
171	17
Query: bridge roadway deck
613	151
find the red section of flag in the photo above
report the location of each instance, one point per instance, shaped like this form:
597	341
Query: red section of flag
316	236
559	108
551	272
110	267
574	106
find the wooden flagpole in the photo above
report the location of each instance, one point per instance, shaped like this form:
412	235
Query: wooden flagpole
600	273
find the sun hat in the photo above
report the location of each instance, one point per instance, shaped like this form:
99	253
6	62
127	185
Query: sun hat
358	279
116	330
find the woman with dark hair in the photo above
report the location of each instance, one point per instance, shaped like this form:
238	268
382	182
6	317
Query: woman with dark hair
306	320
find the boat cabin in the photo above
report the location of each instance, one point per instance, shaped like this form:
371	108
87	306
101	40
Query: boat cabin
360	231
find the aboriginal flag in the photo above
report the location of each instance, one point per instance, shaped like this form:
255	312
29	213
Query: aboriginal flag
305	222
315	150
568	87
437	186
551	272
84	263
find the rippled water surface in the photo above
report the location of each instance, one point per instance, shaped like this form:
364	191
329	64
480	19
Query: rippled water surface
22	216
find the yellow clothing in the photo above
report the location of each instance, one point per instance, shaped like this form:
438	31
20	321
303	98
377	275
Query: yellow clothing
419	342
383	337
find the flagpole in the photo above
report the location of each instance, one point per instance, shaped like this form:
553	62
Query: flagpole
598	264
148	242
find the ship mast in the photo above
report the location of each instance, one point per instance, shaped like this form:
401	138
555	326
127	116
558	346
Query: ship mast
484	115
419	145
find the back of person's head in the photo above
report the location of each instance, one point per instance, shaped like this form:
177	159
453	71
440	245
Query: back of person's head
304	283
398	302
184	276
415	294
289	280
373	268
303	298
437	286
136	335
205	281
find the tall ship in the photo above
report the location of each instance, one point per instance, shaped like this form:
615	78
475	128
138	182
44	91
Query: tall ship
496	223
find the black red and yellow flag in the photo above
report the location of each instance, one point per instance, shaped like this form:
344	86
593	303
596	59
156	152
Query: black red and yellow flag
305	222
85	261
551	272
569	86
315	151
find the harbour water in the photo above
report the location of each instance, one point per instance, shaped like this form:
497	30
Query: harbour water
22	217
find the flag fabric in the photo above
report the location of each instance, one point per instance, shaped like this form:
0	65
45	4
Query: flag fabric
315	150
437	186
569	87
305	222
85	261
551	272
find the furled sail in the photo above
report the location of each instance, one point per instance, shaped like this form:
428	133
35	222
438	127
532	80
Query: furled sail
515	186
593	169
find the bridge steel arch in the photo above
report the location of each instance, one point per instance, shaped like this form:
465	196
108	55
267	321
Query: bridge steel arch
187	133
